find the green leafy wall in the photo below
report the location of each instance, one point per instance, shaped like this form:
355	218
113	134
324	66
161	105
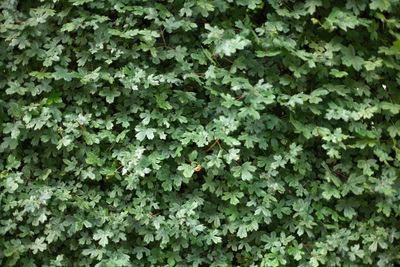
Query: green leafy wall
199	133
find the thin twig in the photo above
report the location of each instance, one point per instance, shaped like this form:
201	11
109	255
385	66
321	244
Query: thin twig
154	215
216	141
308	250
162	36
240	97
83	128
230	61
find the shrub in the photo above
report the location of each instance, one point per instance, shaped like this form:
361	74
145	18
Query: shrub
199	133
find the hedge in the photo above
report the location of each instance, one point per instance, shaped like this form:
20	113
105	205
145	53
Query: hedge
199	133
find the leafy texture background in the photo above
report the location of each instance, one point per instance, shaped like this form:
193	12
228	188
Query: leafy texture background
199	133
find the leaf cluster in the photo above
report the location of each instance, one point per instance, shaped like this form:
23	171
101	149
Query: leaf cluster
199	133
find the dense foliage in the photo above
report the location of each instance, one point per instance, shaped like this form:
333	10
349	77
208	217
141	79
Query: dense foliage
199	133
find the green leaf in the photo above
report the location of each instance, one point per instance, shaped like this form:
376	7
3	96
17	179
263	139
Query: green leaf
110	94
244	172
143	133
338	74
186	169
38	245
393	108
350	59
242	231
382	5
268	53
102	236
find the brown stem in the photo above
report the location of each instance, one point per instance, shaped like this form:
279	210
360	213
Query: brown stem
240	97
216	141
162	36
230	61
83	128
